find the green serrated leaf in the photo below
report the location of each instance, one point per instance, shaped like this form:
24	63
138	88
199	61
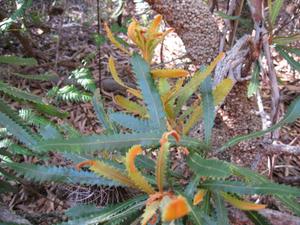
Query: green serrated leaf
286	40
254	83
17	130
290	202
40	77
26	96
209	109
101	114
242	188
276	6
222	214
130	122
192	187
292	114
208	167
111	213
17	61
197	216
295	51
150	94
121	142
257	218
38	173
293	63
82	210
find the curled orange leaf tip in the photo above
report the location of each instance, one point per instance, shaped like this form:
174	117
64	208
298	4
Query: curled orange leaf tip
85	163
166	135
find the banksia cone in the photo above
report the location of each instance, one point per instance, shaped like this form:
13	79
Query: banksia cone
194	24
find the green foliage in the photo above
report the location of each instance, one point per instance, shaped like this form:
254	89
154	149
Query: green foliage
69	93
101	114
163	103
151	96
17	14
209	108
18	61
254	83
38	173
81	90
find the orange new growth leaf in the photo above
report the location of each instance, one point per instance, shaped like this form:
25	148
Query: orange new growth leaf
166	135
153	28
131	31
138	179
176	209
113	40
134	151
161	162
199	196
169	73
242	204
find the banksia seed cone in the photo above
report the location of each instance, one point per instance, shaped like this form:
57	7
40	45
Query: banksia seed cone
194	24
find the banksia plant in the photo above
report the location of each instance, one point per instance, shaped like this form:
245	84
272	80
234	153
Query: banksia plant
173	96
164	198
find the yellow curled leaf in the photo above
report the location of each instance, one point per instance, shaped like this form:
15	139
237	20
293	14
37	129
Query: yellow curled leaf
131	31
199	196
131	106
154	26
169	73
139	180
113	40
149	212
176	209
242	204
107	171
115	75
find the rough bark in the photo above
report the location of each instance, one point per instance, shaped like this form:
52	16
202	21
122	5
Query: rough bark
194	24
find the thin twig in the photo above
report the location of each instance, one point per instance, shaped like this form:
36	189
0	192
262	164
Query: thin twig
99	49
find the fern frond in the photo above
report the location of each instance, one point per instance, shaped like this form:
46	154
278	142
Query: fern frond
38	173
69	93
83	77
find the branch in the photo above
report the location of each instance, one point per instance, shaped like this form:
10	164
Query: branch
282	148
